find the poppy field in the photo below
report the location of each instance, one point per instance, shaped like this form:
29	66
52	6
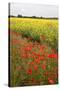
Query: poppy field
33	51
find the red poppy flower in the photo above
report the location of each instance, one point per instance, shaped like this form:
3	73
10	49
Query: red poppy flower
52	56
32	63
29	71
42	57
43	66
38	55
24	55
28	48
34	53
35	67
33	56
37	61
50	81
39	58
32	79
29	55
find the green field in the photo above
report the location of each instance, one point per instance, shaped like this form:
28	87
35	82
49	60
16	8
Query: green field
33	51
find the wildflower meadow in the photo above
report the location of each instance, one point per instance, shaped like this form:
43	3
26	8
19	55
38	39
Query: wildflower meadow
33	51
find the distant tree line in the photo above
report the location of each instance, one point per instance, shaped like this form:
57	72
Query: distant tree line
41	17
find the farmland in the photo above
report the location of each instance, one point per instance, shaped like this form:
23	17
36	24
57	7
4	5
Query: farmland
33	51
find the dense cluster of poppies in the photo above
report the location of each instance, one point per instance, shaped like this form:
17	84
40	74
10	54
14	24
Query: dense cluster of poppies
36	61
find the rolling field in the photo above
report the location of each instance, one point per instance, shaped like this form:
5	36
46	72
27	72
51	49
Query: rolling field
33	51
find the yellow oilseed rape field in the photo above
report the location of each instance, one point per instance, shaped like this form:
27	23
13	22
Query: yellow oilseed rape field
35	28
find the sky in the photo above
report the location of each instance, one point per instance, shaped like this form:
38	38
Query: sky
27	9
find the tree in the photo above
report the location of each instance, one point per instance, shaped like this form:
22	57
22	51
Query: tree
33	16
19	15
